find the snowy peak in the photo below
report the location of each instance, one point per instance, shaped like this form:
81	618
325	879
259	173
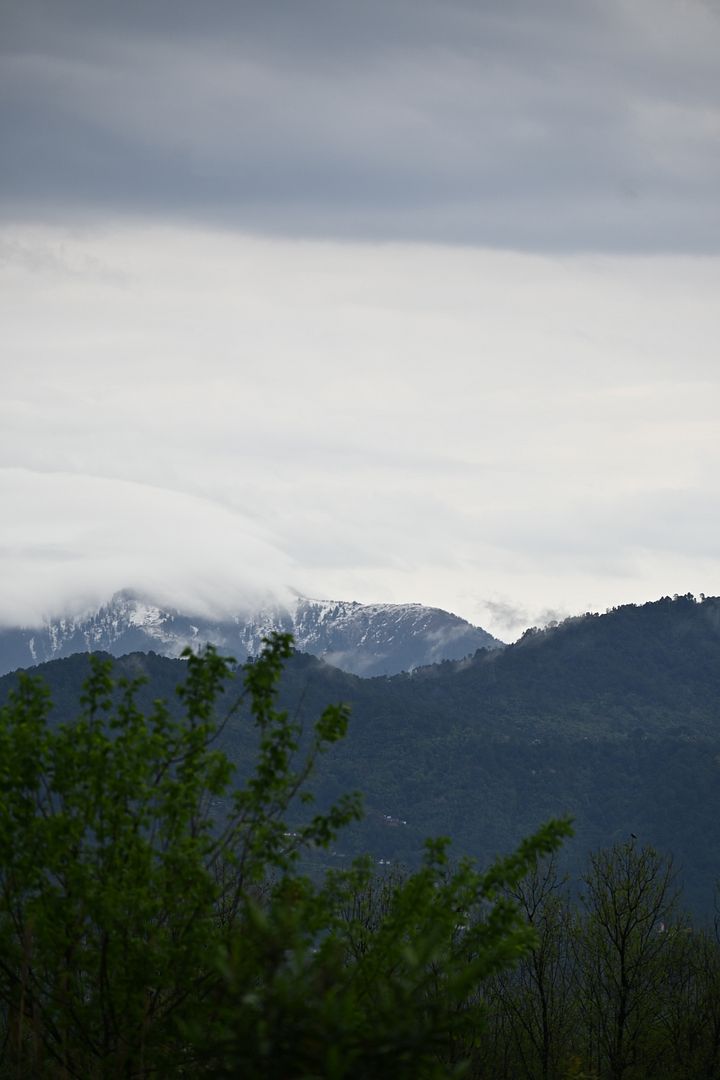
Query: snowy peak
366	639
380	639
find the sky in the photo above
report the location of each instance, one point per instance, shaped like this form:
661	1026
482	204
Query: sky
389	301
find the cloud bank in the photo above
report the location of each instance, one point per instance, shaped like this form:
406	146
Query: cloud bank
206	416
564	126
381	301
74	540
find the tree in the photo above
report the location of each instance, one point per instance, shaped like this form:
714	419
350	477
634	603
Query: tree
533	1004
690	1006
622	944
154	919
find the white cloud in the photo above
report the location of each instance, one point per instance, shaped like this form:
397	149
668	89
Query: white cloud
202	414
68	541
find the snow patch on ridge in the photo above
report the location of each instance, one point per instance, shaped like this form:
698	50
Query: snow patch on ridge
367	639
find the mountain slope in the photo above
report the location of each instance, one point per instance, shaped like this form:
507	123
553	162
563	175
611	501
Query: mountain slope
368	639
614	719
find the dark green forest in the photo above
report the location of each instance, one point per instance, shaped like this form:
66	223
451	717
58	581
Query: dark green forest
167	910
179	895
612	719
154	919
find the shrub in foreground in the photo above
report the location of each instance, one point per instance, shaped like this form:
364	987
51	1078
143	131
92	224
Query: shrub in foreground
154	920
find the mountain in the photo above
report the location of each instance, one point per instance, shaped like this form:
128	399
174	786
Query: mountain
613	719
366	639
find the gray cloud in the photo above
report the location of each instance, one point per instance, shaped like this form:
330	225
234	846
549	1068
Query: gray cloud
590	126
505	615
511	618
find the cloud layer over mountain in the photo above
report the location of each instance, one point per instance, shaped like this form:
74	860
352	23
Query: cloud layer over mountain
408	301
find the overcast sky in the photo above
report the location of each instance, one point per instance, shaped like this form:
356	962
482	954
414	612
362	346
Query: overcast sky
407	300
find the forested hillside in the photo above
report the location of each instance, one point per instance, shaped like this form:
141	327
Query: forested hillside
612	718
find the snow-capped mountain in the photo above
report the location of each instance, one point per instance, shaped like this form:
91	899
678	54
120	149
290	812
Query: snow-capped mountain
367	639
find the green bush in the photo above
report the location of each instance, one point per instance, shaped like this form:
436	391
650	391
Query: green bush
154	920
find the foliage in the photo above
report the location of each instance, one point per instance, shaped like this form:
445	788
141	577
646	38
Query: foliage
533	1017
611	719
629	900
117	887
385	996
154	919
619	987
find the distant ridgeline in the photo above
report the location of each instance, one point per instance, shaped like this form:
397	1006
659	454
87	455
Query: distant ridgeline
613	718
367	639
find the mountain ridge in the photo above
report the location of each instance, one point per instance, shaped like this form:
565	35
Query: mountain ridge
364	639
612	719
